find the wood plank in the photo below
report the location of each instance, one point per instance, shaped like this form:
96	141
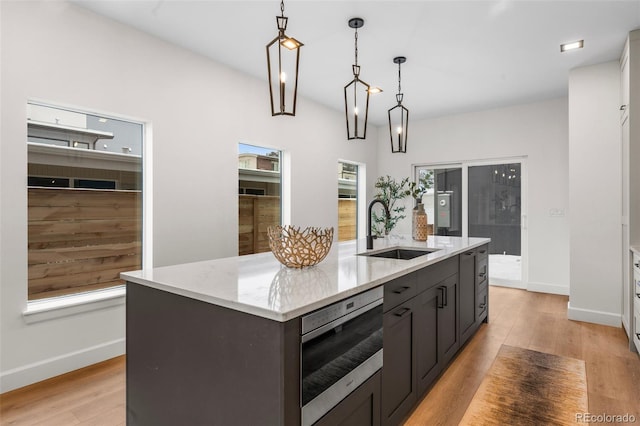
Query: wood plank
75	290
83	240
47	270
45	230
68	254
81	280
65	197
82	212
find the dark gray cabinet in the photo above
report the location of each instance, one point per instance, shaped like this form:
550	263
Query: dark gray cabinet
468	295
398	371
448	342
428	360
360	408
420	336
482	284
429	315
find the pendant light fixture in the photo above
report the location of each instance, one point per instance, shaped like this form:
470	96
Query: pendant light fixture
283	57
399	116
356	94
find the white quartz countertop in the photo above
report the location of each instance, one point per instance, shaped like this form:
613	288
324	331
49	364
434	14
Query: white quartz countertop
260	285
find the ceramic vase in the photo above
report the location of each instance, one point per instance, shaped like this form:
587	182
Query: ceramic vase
419	224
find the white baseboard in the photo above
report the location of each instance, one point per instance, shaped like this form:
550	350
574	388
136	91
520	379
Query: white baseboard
548	288
596	317
45	369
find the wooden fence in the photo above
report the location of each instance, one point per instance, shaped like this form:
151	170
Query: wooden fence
81	239
347	208
256	214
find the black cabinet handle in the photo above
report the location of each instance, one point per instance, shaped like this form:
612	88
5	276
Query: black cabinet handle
637	265
401	290
402	312
469	253
482	274
441	298
446	296
638	294
482	305
482	251
638	334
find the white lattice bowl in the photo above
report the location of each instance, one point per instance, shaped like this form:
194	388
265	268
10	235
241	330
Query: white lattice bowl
297	249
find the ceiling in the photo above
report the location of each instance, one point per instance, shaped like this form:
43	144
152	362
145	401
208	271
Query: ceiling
461	55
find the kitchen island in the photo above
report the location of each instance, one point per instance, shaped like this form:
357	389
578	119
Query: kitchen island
219	342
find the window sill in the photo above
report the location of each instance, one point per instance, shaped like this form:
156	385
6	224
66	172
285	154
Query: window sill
57	307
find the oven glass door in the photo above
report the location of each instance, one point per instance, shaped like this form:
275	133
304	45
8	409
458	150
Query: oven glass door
331	355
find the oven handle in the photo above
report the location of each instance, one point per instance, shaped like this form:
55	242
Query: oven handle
333	324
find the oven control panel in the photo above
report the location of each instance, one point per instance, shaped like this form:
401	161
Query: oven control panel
332	312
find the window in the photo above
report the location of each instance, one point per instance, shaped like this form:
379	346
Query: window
84	192
347	201
259	196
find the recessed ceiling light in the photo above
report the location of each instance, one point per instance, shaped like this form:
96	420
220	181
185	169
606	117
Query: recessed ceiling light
571	46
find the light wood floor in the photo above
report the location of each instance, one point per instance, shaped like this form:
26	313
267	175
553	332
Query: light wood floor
96	395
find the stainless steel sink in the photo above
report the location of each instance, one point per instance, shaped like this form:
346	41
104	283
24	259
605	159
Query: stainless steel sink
400	253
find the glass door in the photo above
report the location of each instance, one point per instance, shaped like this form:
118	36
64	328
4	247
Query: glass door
481	199
443	199
495	211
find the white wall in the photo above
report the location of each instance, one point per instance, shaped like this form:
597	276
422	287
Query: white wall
595	194
199	111
537	131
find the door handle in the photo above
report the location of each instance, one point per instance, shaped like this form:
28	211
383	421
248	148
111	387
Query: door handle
402	312
401	290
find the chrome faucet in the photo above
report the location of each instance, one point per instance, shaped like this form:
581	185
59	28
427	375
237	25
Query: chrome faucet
370	237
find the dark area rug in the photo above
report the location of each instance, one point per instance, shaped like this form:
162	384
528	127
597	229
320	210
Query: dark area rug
525	387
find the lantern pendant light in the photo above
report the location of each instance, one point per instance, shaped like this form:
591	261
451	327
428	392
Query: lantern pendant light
283	57
399	116
356	94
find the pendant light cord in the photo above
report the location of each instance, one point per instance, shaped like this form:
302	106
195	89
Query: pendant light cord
399	78
356	46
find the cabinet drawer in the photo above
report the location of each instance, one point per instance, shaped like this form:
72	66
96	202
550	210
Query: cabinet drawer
399	290
483	251
481	304
482	287
432	275
482	270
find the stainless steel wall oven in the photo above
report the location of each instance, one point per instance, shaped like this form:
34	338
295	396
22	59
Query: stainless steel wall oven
341	349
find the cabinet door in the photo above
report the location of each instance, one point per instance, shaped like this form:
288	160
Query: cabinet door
427	365
468	295
398	384
360	408
448	342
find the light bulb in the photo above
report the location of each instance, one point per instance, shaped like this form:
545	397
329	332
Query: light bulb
283	77
399	129
355	110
